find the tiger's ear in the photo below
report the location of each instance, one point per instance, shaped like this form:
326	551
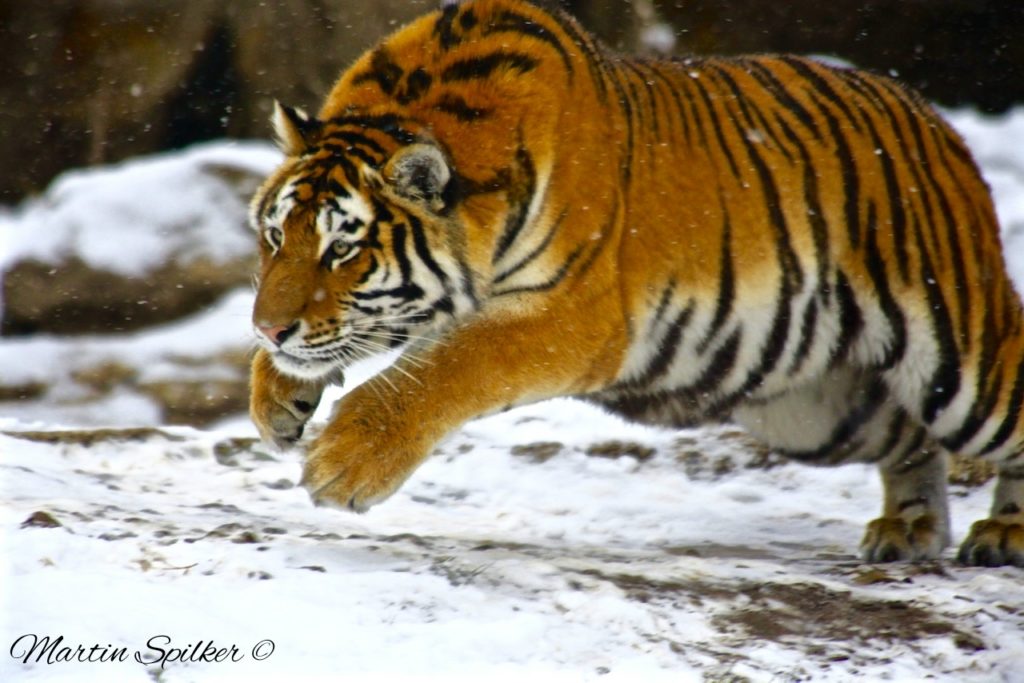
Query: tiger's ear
420	172
295	130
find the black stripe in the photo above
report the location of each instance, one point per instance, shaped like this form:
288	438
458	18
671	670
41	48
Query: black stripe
789	262
472	68
809	71
595	60
416	84
355	138
893	434
869	89
668	348
893	313
468	287
389	124
663	302
383	71
808	327
770	353
989	385
625	166
408	292
980	413
455	105
847	168
419	241
749	108
721	365
843	433
726	285
851	322
715	120
945	383
897	214
520	195
815	212
398	235
443	27
638	75
766	77
339	152
937	195
1013	410
321	177
517	23
370	270
548	284
673	90
535	252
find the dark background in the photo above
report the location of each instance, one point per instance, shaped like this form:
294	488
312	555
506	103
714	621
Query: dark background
92	81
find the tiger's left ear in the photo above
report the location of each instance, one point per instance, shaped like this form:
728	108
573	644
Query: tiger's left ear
420	172
296	131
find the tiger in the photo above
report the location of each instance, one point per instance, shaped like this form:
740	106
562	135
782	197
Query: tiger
802	249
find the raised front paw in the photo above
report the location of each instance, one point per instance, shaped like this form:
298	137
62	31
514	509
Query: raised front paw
895	539
280	405
357	462
994	542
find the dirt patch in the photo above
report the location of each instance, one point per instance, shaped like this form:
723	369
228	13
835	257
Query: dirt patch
22	392
700	466
808	615
783	611
618	449
538	452
198	403
89	437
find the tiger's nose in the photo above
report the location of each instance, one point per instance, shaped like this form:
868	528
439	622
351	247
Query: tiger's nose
277	333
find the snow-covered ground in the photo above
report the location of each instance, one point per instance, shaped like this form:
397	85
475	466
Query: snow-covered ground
551	542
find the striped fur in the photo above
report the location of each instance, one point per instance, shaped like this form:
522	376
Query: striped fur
805	250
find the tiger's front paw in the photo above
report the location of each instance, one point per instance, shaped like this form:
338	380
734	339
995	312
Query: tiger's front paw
994	542
280	405
895	539
358	464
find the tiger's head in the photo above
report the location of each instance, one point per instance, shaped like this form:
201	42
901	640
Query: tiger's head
360	247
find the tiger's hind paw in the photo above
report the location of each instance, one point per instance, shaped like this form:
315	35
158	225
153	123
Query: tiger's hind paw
994	542
895	539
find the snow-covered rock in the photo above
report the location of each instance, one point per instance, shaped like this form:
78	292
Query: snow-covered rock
143	242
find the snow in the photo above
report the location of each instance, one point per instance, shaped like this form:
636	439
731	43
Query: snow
131	217
529	545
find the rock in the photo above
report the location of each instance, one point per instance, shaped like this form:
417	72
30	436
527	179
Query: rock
72	297
149	241
199	402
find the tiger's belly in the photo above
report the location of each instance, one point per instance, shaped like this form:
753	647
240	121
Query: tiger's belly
844	415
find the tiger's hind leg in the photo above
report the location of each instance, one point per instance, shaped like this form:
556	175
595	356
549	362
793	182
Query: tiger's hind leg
999	539
915	514
849	416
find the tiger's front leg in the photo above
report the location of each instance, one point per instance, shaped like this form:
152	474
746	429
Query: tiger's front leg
280	405
379	435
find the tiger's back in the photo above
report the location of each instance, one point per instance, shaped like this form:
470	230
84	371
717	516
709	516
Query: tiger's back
807	250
